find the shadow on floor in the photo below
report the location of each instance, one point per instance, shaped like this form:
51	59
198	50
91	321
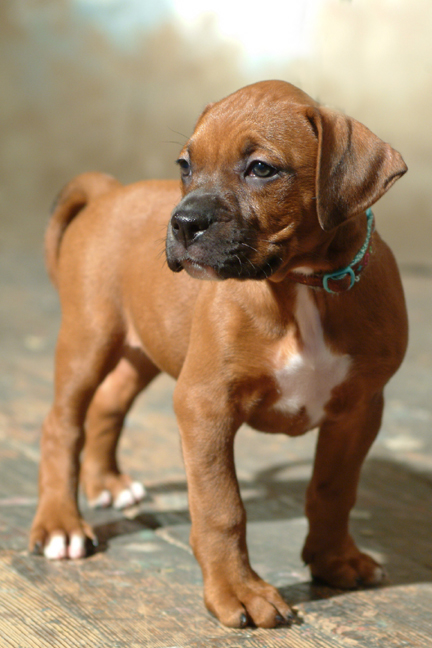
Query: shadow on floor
393	520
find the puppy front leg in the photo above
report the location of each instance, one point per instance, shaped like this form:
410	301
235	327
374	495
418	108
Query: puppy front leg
342	447
233	592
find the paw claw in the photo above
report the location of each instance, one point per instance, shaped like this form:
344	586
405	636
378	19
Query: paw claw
37	549
287	619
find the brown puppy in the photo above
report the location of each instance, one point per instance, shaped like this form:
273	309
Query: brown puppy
275	190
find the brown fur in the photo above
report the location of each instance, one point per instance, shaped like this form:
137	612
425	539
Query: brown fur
126	316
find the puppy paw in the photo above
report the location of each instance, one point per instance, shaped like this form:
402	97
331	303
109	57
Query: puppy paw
103	500
113	490
59	547
346	570
254	603
129	496
60	536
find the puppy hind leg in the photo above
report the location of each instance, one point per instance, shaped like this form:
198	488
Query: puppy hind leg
330	551
101	477
84	356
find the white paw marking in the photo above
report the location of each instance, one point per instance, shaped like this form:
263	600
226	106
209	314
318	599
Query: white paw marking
76	547
103	500
379	575
138	490
124	499
56	548
129	496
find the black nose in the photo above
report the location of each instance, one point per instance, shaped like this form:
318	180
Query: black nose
187	225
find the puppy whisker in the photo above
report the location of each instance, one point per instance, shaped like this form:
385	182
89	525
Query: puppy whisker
249	246
178	133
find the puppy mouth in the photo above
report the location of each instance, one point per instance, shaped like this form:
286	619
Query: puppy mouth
230	266
200	270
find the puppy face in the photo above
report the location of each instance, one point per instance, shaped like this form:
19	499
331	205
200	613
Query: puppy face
267	176
248	181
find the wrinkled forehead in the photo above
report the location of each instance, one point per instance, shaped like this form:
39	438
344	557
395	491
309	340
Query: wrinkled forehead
250	121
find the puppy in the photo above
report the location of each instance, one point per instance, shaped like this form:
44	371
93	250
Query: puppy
300	324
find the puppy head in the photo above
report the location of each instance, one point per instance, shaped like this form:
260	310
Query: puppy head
267	176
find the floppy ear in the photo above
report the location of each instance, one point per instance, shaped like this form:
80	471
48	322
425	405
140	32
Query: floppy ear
354	167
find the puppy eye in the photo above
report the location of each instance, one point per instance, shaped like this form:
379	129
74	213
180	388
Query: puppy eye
185	167
261	170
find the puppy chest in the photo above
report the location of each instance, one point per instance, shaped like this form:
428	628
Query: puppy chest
306	369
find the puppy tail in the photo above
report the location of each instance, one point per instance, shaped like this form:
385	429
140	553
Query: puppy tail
71	200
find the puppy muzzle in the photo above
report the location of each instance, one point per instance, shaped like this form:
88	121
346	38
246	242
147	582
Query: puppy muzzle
210	240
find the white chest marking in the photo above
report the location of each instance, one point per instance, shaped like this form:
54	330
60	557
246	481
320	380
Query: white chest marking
308	370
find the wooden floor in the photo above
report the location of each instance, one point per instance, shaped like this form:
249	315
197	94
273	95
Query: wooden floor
143	588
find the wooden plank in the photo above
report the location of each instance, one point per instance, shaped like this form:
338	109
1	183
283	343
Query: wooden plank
32	618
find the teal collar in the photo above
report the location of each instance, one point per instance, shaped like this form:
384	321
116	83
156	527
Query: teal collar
345	278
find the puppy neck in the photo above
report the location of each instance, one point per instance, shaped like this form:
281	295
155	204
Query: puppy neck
335	263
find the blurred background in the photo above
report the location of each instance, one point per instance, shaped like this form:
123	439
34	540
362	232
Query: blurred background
116	86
